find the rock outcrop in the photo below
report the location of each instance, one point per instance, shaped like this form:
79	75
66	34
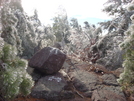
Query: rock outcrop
48	60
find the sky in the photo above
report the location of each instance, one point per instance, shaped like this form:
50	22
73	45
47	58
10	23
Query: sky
83	10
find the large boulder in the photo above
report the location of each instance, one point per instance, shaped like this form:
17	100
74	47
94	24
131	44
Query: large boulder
48	60
51	88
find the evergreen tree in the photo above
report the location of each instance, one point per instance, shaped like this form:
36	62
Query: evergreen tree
61	26
121	17
81	39
13	75
127	77
17	28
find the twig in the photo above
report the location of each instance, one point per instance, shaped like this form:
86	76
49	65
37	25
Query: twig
77	92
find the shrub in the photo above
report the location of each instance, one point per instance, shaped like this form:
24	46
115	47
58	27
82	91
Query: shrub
13	76
127	77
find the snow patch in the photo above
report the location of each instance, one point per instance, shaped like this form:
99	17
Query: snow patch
55	51
58	79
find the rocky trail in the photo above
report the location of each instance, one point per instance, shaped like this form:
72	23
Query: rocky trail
69	81
75	83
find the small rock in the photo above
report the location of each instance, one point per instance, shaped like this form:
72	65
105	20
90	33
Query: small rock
109	79
106	95
118	71
88	94
115	89
48	60
30	70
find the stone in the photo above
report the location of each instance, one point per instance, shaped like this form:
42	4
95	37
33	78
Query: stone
97	87
85	81
50	87
109	79
88	94
114	89
106	95
67	95
48	60
118	71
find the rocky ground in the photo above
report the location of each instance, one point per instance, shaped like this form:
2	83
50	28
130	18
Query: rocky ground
59	80
76	83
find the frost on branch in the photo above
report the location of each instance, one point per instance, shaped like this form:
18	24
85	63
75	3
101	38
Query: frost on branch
81	40
17	29
13	76
127	77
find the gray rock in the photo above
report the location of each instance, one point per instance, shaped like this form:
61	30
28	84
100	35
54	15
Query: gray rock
85	81
88	94
30	70
118	71
116	90
67	95
106	95
48	60
66	66
109	79
50	87
95	86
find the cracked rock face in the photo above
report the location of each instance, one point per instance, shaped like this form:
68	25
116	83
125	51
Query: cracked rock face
48	60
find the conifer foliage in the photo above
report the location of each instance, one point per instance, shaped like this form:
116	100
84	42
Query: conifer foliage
13	76
14	79
127	77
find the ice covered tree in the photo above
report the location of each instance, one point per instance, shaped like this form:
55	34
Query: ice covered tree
120	16
17	28
81	39
61	26
9	22
74	23
13	76
91	31
127	77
